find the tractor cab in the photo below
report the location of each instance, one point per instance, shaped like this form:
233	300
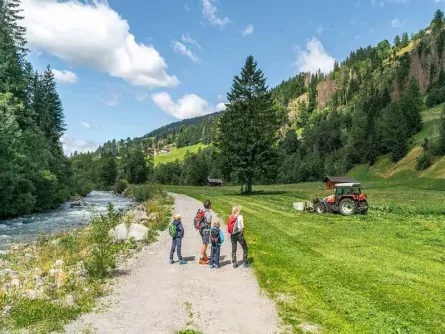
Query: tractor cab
347	189
347	199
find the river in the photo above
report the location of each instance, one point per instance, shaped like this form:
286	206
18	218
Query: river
29	227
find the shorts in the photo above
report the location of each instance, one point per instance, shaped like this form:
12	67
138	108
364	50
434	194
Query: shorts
205	234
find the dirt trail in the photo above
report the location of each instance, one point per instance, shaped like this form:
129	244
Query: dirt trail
156	297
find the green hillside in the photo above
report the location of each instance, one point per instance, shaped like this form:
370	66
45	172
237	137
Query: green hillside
177	154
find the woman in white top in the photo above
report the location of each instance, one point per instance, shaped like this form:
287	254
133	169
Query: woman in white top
238	237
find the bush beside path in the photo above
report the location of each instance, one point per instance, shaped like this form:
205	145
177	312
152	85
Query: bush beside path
156	297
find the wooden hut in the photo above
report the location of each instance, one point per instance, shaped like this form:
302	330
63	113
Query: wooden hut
214	182
331	181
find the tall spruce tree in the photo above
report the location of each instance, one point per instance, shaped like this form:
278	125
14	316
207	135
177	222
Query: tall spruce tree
50	113
394	130
411	104
248	128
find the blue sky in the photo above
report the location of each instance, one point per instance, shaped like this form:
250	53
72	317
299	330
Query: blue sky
127	67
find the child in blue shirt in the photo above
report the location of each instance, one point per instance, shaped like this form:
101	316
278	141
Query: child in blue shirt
216	240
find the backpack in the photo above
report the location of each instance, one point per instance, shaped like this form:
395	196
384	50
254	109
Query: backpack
173	231
214	236
231	222
199	219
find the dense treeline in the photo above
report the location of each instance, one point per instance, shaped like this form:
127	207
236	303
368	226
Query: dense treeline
34	173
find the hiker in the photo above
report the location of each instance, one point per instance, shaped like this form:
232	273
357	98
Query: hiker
205	233
216	240
176	231
235	227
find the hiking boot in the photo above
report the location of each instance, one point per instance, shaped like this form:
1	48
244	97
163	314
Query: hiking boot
171	261
235	265
182	262
203	261
216	266
246	264
211	266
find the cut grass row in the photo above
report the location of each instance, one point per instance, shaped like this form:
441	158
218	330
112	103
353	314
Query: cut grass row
380	273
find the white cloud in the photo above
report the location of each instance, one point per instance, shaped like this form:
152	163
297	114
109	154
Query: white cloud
186	8
182	49
220	97
314	58
187	39
71	145
113	99
397	24
248	30
185	48
209	11
65	76
353	22
188	106
221	106
310	21
141	97
320	29
86	125
93	34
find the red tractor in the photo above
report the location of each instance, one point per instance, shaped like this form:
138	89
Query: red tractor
348	200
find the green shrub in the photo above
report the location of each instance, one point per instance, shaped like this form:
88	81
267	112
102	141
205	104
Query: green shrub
102	256
120	186
424	161
145	192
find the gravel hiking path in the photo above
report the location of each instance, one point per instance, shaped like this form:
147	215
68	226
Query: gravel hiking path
154	296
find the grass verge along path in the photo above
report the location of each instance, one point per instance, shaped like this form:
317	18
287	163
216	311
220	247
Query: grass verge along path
379	273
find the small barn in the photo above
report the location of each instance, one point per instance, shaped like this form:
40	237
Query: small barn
331	181
214	182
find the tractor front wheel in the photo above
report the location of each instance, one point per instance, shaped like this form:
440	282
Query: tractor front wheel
347	207
320	207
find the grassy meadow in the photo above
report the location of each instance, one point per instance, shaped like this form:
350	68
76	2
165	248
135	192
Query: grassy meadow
177	154
379	273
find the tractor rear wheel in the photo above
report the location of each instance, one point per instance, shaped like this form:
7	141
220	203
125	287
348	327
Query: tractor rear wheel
347	207
320	208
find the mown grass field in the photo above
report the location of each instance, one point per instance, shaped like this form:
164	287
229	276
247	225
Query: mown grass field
379	273
177	154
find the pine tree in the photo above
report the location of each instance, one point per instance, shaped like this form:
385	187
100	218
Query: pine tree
107	170
9	18
248	128
397	41
50	113
394	131
405	40
438	20
411	104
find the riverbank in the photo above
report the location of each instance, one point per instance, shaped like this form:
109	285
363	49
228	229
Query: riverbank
49	282
27	228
